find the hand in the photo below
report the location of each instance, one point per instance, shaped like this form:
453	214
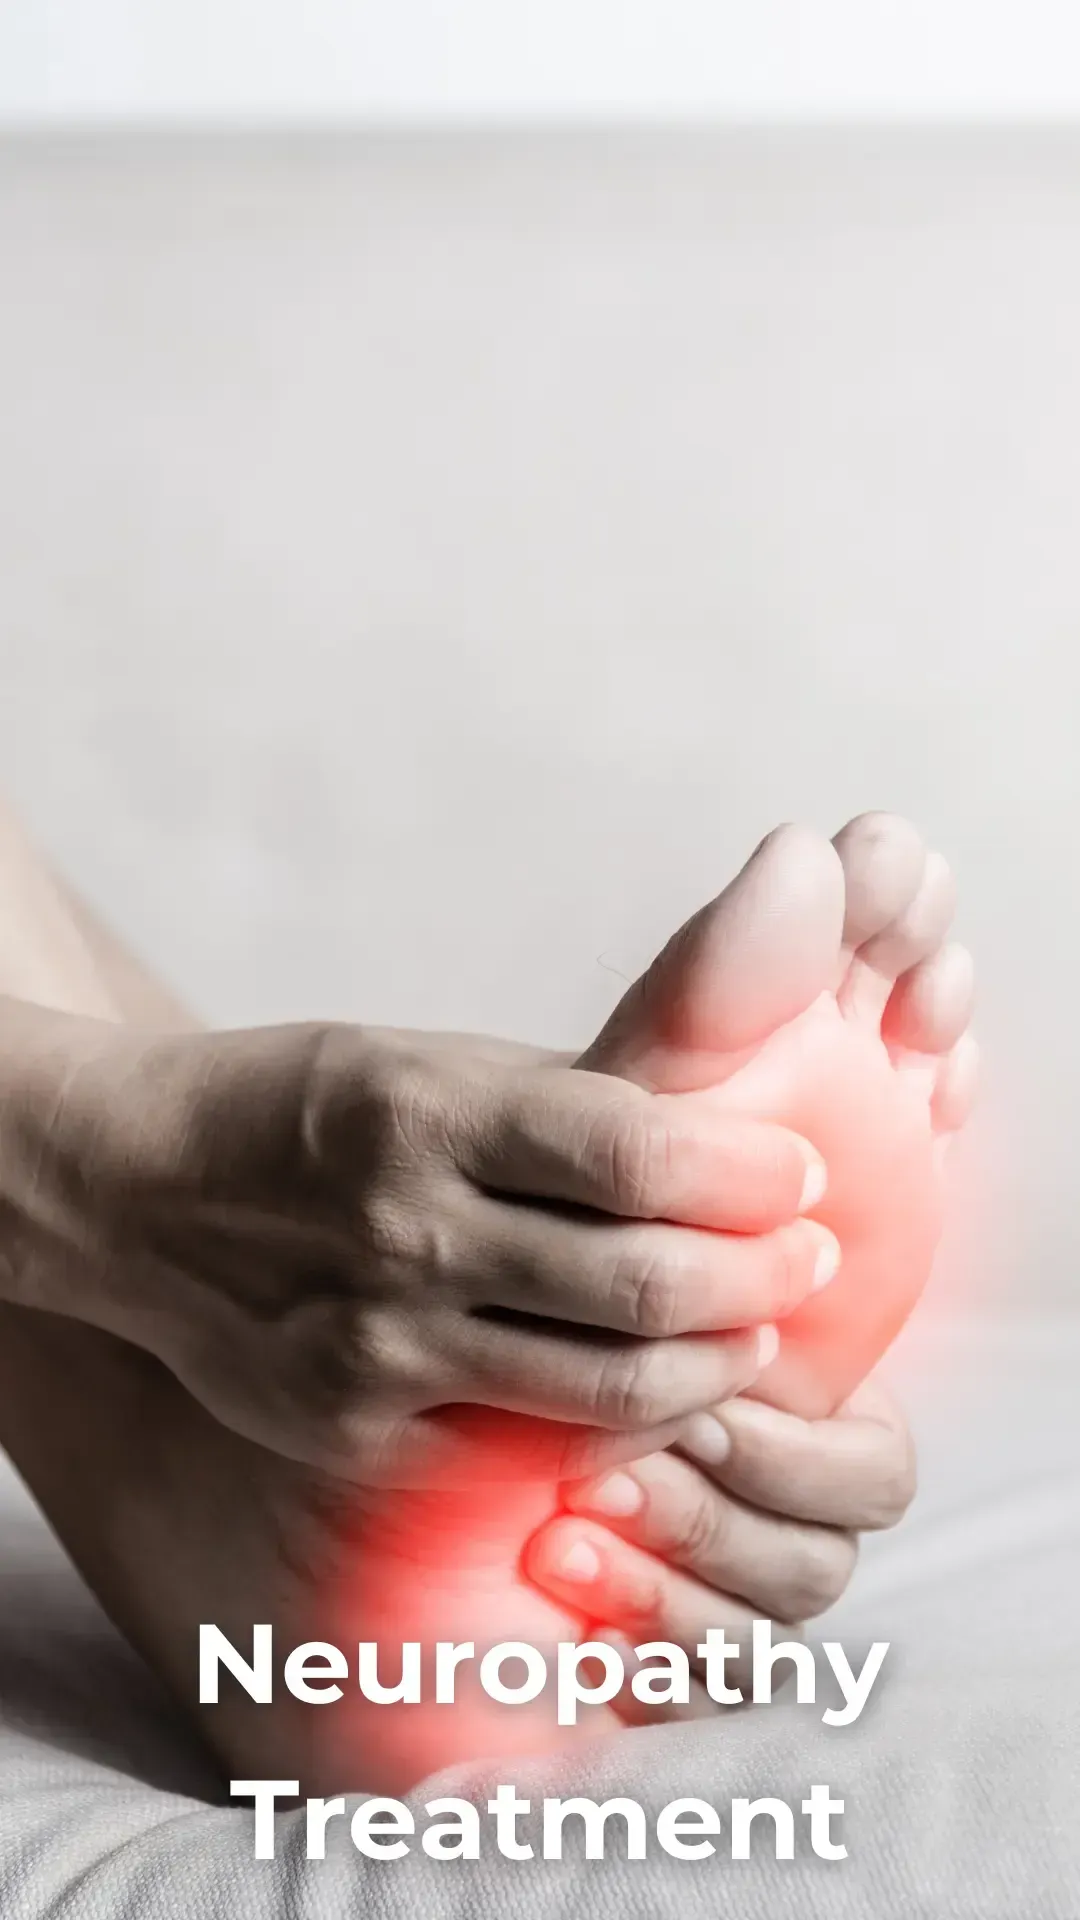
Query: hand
370	1253
756	1516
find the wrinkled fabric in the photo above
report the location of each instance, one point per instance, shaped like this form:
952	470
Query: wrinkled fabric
960	1779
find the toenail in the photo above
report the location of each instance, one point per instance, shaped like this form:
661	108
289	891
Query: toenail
618	1496
581	1562
768	1346
813	1185
827	1264
706	1438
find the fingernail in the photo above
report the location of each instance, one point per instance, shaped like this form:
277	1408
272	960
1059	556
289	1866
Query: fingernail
618	1496
579	1562
827	1264
814	1184
706	1438
768	1346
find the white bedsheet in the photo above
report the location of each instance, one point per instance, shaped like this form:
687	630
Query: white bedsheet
961	1779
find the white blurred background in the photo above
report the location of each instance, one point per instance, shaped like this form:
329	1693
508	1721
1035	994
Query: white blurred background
437	541
303	60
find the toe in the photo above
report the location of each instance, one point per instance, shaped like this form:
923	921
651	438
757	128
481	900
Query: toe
883	858
913	936
744	965
930	1005
956	1086
919	930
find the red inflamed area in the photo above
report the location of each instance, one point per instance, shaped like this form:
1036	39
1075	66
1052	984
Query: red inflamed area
844	1074
445	1567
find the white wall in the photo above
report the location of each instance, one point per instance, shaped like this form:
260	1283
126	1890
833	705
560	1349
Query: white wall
429	564
81	60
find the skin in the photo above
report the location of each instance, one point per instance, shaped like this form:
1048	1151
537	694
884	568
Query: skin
853	1030
820	989
331	1236
173	1472
756	1515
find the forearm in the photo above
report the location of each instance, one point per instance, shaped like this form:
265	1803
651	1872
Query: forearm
48	1122
492	1047
56	1012
134	1164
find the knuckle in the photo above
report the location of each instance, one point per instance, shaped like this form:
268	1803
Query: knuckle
359	1360
392	1352
381	1350
789	1272
384	1230
826	1561
391	1231
773	1169
699	1531
633	1392
783	1166
643	1602
401	1235
629	1149
645	1287
896	1487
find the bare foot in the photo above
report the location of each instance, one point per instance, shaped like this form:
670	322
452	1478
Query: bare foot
818	990
176	1521
814	990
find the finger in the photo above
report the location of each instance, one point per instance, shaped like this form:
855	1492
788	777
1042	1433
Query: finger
592	1570
871	1400
787	1569
603	1380
591	1140
635	1711
642	1277
458	1446
852	1471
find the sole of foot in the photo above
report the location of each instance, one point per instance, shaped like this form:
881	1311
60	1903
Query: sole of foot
817	990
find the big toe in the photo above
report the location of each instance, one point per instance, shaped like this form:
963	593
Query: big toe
743	966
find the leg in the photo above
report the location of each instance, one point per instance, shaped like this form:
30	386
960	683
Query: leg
213	1528
173	1519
